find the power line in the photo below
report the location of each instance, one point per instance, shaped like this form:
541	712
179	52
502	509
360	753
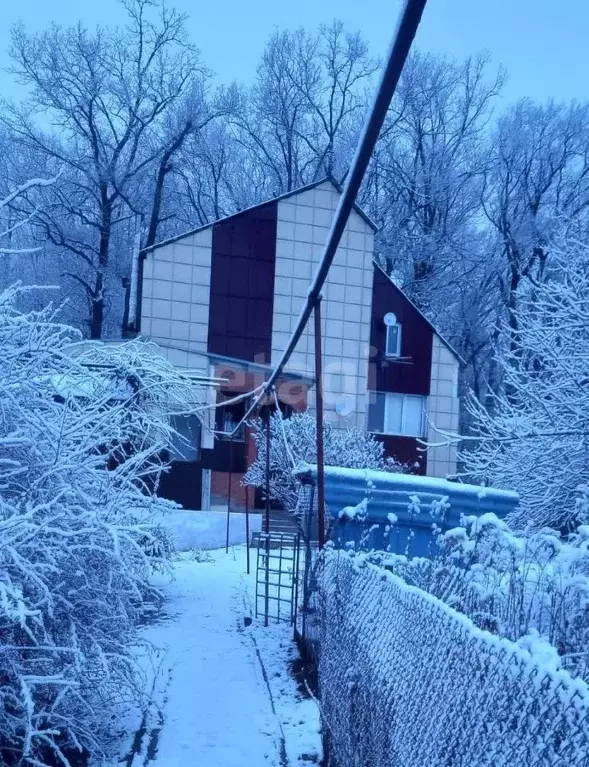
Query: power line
404	36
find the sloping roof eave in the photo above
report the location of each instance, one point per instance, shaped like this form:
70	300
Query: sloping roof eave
190	233
446	343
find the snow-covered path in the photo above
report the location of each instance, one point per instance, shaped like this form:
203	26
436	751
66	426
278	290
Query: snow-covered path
225	694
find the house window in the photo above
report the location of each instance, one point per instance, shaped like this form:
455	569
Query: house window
185	442
393	336
227	418
401	415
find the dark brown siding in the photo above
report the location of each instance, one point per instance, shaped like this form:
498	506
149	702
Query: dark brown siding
220	489
406	450
242	285
412	375
224	457
183	484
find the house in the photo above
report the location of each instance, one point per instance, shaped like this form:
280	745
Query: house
224	299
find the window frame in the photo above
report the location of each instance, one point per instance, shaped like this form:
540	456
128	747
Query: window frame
178	443
389	397
397	352
220	412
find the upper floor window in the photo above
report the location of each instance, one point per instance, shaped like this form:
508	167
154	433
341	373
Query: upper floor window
393	336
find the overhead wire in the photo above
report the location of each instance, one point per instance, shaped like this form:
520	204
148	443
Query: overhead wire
281	420
403	38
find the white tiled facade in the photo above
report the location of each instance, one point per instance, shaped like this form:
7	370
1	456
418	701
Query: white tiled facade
176	301
302	229
176	290
443	409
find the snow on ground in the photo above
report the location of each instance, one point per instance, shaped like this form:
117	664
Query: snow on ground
224	696
207	529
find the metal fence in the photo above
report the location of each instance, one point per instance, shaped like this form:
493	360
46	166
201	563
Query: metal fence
405	680
276	577
306	612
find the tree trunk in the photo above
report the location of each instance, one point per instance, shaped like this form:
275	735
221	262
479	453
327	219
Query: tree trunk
514	281
164	168
97	317
156	207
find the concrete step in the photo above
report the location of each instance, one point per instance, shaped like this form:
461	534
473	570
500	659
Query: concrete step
280	522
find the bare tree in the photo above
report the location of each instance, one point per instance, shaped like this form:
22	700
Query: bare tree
309	92
538	173
215	175
107	97
189	126
423	189
423	184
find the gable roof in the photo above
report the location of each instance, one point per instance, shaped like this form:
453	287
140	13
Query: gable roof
421	314
285	196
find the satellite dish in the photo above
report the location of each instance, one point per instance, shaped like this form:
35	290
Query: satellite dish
390	319
344	406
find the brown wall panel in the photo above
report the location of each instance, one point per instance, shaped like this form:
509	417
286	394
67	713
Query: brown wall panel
412	373
242	285
406	450
220	488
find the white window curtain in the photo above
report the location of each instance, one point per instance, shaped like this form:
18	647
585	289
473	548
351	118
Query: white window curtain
393	414
413	416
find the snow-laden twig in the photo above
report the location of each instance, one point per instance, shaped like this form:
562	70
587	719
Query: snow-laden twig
533	434
82	435
16	193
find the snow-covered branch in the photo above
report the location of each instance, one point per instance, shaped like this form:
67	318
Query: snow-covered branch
5	203
532	589
82	434
533	434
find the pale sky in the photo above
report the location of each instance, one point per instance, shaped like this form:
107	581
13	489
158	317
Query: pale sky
542	43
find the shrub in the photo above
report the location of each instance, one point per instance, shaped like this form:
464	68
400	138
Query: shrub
532	588
293	442
532	434
81	432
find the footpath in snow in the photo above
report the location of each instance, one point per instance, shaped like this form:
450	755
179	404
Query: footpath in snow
223	692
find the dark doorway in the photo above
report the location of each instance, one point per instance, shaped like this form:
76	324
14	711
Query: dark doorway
182	483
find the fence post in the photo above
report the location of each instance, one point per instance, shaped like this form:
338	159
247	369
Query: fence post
319	426
229	493
247	528
267	589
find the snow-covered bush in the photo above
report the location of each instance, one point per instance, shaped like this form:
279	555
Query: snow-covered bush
533	434
533	588
293	442
81	433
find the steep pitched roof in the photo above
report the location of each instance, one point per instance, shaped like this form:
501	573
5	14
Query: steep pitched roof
281	197
446	343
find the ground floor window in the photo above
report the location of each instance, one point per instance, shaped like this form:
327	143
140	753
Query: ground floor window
228	415
185	445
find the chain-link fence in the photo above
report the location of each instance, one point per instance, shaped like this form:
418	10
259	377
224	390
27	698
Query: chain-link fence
306	613
407	681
